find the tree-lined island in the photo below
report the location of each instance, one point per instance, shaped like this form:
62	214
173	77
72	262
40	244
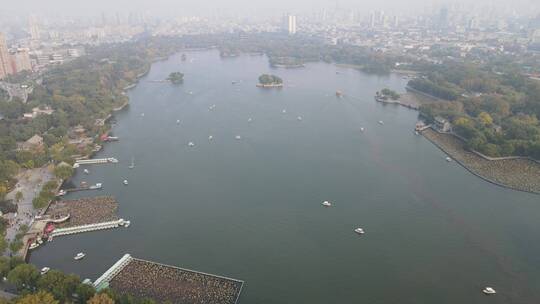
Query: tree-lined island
270	81
176	78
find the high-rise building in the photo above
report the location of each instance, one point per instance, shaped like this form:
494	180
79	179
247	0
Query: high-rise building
395	22
5	62
443	18
33	28
473	24
291	24
21	60
372	21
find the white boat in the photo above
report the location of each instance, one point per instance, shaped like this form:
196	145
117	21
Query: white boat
44	270
190	93
61	193
191	144
238	137
489	291
79	256
127	223
284	111
86	171
299	118
125	182
359	230
87	282
448	159
416	132
96	186
142	114
132	165
381	122
210	137
250	120
362	129
178	121
112	160
33	246
326	204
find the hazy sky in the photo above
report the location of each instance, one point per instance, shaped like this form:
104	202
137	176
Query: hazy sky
184	7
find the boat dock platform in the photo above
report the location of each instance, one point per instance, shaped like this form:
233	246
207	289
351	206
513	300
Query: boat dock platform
94	187
110	160
89	228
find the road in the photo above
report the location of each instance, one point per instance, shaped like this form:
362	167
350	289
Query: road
30	183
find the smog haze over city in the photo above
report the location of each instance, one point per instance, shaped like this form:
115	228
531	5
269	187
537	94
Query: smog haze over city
285	151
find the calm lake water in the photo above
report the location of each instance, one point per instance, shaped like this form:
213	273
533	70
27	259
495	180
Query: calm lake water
251	208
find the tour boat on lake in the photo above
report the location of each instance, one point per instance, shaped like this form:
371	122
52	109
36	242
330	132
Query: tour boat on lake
489	291
125	182
86	171
191	144
238	137
448	159
299	118
79	256
381	122
44	270
359	230
326	204
284	111
210	137
96	186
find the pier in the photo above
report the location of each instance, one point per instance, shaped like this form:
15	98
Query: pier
89	228
83	188
103	281
110	160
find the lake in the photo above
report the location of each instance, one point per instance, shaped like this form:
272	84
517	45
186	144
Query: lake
251	208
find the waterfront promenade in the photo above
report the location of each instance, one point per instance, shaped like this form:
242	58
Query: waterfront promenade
29	184
518	174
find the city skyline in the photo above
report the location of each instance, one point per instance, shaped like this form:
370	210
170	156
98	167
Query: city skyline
169	8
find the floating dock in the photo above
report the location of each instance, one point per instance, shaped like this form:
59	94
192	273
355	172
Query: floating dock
93	187
88	228
110	160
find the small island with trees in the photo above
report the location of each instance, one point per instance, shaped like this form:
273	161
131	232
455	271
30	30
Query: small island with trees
270	81
386	94
176	78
